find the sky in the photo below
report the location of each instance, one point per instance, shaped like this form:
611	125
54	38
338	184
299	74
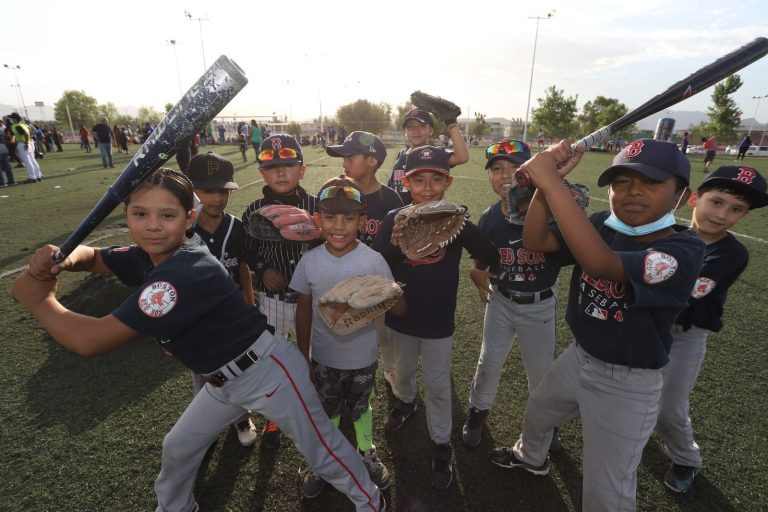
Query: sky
304	58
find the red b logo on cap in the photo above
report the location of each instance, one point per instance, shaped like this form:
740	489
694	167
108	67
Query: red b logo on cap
746	175
634	149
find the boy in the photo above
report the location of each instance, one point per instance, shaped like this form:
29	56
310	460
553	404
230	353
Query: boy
710	149
426	330
25	148
634	269
212	176
281	164
363	154
721	200
344	377
522	300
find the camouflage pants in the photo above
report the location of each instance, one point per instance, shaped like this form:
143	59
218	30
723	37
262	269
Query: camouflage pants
338	388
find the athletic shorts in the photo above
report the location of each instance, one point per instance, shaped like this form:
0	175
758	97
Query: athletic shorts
710	156
340	388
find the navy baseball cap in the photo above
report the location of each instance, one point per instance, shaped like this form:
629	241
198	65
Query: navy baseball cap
744	179
360	143
341	195
427	158
516	151
420	115
211	171
279	149
654	159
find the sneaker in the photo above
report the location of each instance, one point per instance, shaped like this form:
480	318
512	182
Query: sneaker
680	478
30	180
473	427
246	432
399	414
311	485
505	457
270	435
442	468
557	442
376	468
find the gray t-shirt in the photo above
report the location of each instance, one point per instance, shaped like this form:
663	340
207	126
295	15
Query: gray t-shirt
317	272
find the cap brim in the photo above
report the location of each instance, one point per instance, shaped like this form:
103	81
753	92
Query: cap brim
280	161
515	158
422	121
646	170
757	199
430	169
339	151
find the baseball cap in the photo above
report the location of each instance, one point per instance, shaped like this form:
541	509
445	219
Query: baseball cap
279	149
211	171
360	143
654	159
341	195
420	115
427	158
746	180
516	151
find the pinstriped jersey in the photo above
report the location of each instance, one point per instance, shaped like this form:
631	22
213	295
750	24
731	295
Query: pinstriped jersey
282	256
226	243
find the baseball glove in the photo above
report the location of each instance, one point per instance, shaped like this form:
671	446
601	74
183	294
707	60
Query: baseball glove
445	110
282	222
356	302
426	227
579	192
517	195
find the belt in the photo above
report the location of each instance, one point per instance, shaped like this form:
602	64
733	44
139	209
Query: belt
287	297
526	298
243	362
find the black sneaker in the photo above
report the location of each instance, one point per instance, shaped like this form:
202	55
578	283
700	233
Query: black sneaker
471	433
505	457
270	435
442	467
557	442
680	478
399	414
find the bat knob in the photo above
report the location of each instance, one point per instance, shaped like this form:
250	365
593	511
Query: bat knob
522	178
58	257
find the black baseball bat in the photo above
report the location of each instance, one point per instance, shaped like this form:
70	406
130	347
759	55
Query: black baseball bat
685	88
201	103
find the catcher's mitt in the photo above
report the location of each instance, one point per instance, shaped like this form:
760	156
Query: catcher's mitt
356	302
282	222
426	227
445	110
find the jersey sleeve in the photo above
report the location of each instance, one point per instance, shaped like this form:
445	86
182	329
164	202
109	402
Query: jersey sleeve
479	246
385	233
125	263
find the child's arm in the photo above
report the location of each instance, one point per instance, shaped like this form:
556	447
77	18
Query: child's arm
246	284
400	307
460	153
304	325
478	244
536	233
480	276
83	258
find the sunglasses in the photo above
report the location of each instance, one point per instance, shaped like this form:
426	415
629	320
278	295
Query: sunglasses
331	192
270	154
507	147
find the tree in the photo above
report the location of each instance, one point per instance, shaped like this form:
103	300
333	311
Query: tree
364	115
724	115
479	127
293	128
148	115
601	112
167	107
83	109
556	114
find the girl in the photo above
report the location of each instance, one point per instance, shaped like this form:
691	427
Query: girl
197	314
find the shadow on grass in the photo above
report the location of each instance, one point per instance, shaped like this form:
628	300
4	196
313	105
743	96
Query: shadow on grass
78	392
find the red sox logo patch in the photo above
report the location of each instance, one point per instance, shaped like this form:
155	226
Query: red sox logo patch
277	143
634	149
658	267
704	285
746	175
157	299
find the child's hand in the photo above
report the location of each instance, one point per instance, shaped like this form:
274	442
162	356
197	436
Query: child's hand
42	265
273	280
551	165
481	279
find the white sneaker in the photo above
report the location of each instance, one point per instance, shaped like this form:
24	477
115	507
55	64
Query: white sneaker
246	432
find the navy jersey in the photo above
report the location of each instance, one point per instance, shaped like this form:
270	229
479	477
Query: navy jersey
226	244
187	303
282	256
518	269
377	205
431	283
630	323
724	261
396	179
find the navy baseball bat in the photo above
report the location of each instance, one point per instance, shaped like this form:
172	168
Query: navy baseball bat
201	103
685	88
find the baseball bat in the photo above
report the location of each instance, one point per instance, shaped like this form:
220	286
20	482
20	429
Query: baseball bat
685	88
201	103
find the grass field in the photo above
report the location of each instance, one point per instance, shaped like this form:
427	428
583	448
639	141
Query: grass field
85	435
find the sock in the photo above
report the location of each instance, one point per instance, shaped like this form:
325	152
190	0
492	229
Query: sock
364	430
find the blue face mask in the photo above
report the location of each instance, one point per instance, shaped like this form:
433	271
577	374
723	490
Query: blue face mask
618	225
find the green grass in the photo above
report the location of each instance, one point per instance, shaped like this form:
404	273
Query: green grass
85	435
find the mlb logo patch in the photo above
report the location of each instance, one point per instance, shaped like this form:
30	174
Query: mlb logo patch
658	267
703	286
596	312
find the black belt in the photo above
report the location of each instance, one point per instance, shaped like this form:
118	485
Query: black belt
287	297
243	362
526	298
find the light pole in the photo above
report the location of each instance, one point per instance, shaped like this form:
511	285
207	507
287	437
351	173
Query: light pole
533	63
200	25
18	99
14	68
173	42
758	98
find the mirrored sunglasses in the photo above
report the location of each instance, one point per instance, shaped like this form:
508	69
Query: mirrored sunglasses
349	192
506	147
270	154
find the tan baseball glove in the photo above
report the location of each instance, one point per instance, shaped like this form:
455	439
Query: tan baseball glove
426	227
355	302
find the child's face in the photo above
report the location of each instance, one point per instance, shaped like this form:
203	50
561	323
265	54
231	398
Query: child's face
638	200
157	221
214	201
358	166
417	133
715	211
426	186
340	231
283	179
501	176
